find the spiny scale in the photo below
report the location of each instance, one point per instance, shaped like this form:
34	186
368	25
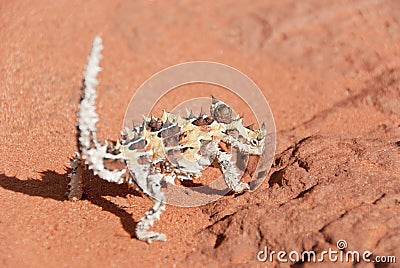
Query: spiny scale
159	149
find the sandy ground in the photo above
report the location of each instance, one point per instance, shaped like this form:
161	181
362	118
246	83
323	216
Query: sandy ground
329	69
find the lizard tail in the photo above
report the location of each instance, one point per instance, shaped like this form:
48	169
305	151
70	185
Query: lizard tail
92	152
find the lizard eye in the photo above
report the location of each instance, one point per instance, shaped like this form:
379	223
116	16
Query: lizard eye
254	142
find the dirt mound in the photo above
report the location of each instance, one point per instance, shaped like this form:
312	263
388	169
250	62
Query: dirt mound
322	189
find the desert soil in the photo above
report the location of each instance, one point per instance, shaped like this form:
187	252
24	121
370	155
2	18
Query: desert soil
330	71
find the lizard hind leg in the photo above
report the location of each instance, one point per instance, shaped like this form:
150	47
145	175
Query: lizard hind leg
158	197
75	190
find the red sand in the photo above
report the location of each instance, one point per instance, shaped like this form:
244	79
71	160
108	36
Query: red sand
331	74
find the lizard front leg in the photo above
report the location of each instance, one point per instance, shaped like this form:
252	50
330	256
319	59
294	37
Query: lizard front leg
230	173
211	151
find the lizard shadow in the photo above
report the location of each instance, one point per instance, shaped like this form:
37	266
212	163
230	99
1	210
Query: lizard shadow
54	185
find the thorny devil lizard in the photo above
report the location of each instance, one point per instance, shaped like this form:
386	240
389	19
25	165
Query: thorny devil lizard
159	149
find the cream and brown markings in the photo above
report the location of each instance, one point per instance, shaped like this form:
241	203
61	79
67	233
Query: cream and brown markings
183	147
171	144
159	149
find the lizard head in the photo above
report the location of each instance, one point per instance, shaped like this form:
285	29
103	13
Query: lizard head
240	137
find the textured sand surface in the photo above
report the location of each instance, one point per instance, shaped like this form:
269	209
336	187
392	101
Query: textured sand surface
329	69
